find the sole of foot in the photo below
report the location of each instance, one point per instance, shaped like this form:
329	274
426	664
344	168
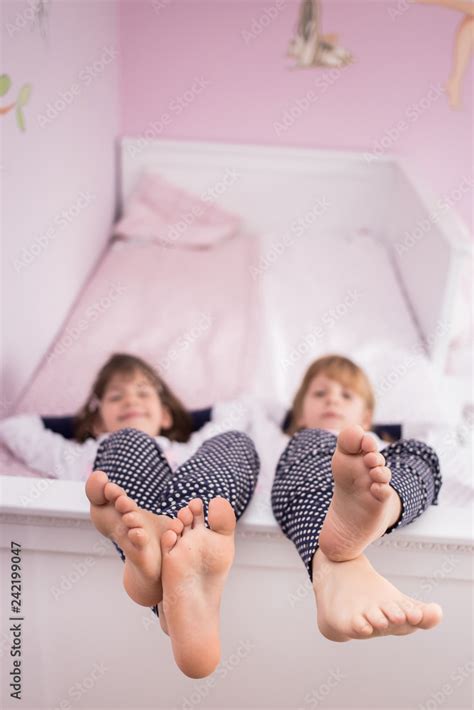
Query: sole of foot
355	602
136	531
195	566
363	505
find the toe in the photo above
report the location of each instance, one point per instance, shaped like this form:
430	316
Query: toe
432	615
377	619
186	517
221	516
368	443
176	525
373	458
112	491
124	504
394	614
132	520
350	438
380	491
380	474
167	541
139	537
413	610
361	628
95	487
197	508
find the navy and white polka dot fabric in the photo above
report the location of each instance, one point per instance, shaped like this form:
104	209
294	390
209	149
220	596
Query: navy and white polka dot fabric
226	465
303	485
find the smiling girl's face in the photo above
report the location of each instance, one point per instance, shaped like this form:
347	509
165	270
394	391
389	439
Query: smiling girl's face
132	401
328	404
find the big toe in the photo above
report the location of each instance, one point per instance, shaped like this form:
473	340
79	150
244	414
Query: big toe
221	516
350	439
95	486
432	615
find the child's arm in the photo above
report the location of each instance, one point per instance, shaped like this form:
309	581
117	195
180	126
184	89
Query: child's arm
43	450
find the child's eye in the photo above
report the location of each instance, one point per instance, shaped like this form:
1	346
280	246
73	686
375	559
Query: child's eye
319	393
113	397
347	395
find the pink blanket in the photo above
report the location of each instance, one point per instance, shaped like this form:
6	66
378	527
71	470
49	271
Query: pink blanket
189	312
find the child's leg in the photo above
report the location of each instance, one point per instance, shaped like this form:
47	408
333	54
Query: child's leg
134	461
342	497
463	48
125	494
465	6
415	476
217	483
226	465
215	487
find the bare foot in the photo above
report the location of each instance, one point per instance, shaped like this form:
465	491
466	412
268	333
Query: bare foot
355	602
195	567
363	505
137	532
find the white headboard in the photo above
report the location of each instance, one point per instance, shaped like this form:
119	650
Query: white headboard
268	186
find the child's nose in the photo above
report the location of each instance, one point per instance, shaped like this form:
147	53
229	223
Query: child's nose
130	397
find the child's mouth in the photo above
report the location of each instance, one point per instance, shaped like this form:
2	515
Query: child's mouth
132	415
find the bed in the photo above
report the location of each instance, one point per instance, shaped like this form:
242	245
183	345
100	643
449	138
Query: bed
331	253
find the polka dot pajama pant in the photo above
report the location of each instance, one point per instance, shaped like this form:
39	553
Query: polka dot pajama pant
226	465
303	485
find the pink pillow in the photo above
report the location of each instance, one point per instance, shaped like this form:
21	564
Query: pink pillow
160	211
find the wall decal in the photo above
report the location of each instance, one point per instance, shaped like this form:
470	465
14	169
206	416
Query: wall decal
310	47
21	100
463	46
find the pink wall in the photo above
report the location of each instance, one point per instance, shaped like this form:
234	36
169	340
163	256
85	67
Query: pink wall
58	177
193	69
217	70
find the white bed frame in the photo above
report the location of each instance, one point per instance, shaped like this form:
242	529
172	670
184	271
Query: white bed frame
272	653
